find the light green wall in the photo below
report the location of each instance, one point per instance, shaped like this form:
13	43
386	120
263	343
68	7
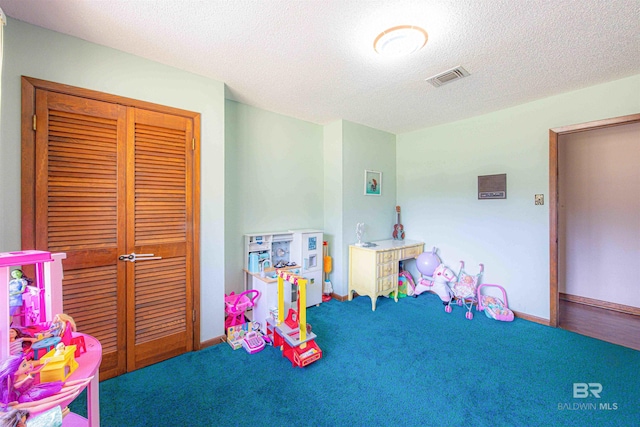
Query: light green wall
274	178
35	52
364	148
333	203
437	186
232	205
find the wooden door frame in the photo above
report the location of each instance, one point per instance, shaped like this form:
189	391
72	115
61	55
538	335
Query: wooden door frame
28	202
554	134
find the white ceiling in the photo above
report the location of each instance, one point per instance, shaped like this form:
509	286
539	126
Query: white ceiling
314	59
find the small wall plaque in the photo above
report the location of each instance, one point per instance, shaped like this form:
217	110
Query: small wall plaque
492	186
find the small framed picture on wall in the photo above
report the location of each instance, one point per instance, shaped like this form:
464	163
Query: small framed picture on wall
372	183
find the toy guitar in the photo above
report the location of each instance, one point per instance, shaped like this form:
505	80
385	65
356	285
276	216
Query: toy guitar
398	229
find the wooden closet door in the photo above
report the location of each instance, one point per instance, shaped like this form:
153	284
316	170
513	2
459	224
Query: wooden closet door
80	209
109	181
159	223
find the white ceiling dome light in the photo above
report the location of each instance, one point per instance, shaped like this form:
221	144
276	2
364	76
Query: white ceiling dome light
400	40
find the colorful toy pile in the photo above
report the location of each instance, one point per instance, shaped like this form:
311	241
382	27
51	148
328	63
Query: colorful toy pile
462	289
40	355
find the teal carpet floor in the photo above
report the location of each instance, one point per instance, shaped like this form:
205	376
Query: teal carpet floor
406	364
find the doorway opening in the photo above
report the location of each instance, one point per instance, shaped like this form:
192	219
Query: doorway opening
561	303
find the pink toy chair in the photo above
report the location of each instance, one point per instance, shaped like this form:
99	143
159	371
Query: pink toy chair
494	307
464	290
236	305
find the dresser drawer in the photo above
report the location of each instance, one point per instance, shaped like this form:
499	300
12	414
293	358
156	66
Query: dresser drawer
387	283
386	256
412	252
386	269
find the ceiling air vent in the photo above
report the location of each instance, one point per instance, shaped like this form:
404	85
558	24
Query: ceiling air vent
448	76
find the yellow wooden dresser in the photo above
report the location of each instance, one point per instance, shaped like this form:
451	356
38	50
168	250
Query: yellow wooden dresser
373	271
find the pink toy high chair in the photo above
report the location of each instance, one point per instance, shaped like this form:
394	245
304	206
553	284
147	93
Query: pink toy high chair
236	305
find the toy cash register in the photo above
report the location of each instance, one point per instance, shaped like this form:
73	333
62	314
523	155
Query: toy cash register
253	342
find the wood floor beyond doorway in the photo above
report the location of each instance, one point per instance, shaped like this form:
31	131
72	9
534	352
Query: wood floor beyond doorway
607	325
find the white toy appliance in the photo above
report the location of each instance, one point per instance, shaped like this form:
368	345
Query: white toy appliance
307	252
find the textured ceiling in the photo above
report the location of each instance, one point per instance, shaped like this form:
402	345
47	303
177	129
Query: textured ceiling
314	59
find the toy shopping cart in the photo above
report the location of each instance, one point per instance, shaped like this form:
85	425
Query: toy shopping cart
236	305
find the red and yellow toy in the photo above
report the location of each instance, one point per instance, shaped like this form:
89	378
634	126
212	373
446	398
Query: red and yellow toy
298	345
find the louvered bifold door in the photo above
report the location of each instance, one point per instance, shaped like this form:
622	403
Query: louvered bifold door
80	202
159	232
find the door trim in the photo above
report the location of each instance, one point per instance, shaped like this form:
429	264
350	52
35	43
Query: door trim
611	306
28	239
554	295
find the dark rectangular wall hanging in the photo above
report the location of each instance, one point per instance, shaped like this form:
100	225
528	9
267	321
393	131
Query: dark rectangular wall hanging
492	186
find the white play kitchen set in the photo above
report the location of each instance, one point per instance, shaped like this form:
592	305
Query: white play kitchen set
299	251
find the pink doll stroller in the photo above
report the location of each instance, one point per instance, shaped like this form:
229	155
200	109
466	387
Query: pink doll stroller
236	305
464	290
493	307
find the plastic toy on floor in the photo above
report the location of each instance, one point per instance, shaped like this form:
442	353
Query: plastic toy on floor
236	305
327	288
292	334
435	276
253	342
465	290
427	262
438	283
493	307
406	285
